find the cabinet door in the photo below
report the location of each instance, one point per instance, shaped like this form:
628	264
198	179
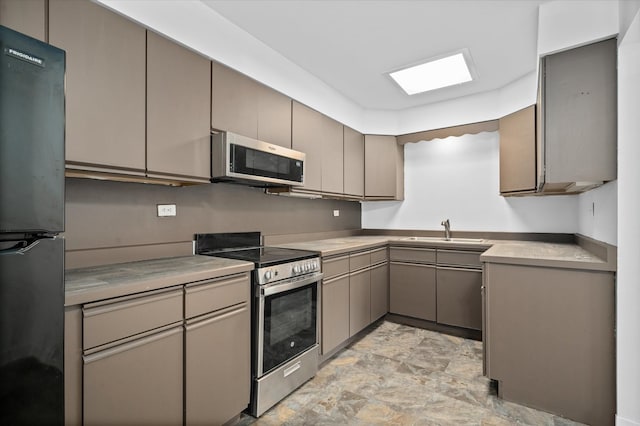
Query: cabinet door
332	156
379	291
139	382
552	339
335	312
459	297
105	86
353	162
234	101
359	301
274	117
218	366
382	178
178	110
26	17
307	127
580	114
412	290
518	151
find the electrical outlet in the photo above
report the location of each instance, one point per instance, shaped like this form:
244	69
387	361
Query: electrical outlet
336	213
165	210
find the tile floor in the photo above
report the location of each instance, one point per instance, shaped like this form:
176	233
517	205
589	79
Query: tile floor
401	375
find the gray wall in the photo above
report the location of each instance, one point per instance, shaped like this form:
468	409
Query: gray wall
111	222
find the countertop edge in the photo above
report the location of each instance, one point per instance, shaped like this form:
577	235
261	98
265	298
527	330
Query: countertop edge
551	263
78	297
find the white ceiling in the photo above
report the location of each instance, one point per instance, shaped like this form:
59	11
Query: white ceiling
352	44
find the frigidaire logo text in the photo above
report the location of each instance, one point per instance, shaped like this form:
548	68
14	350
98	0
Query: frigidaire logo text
25	56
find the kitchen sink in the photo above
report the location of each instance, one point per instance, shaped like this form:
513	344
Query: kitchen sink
453	240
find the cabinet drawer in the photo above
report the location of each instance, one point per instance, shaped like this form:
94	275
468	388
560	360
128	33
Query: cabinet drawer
413	254
359	260
213	295
107	321
459	258
334	266
379	255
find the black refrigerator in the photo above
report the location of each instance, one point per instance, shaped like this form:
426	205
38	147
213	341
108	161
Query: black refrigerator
31	217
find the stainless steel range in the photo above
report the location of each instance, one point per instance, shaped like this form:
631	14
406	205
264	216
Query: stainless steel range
285	313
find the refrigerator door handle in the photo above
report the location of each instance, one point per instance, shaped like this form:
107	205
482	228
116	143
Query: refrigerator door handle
21	248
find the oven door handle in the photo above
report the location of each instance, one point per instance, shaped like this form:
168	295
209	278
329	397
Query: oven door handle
267	290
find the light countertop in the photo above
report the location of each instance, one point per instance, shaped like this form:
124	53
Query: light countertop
102	282
532	253
545	254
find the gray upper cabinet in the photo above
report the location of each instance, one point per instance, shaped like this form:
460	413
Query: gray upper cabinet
105	86
579	118
274	117
244	106
234	101
307	128
27	17
518	152
384	168
332	159
353	163
178	111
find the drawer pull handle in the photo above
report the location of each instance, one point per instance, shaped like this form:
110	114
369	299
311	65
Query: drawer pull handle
290	370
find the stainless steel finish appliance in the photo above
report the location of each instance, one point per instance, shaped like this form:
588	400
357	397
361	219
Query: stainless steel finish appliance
285	320
239	159
31	216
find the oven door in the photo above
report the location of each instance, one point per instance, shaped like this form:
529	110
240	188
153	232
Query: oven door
287	321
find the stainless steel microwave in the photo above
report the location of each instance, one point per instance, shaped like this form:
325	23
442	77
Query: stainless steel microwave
239	159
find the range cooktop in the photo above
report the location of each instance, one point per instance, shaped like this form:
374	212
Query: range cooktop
246	246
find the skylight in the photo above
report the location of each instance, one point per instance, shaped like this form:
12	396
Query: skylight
432	75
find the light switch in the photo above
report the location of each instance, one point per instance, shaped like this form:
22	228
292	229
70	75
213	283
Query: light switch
165	210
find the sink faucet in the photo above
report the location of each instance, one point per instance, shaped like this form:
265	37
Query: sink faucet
447	229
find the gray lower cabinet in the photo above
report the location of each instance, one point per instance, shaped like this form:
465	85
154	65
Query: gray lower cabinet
335	312
359	301
217	349
379	291
459	300
355	293
161	357
217	366
138	382
412	290
550	341
441	285
133	358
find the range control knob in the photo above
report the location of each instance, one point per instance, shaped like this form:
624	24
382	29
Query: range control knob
297	269
267	275
315	264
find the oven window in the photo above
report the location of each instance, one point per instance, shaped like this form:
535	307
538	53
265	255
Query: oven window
259	163
289	325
